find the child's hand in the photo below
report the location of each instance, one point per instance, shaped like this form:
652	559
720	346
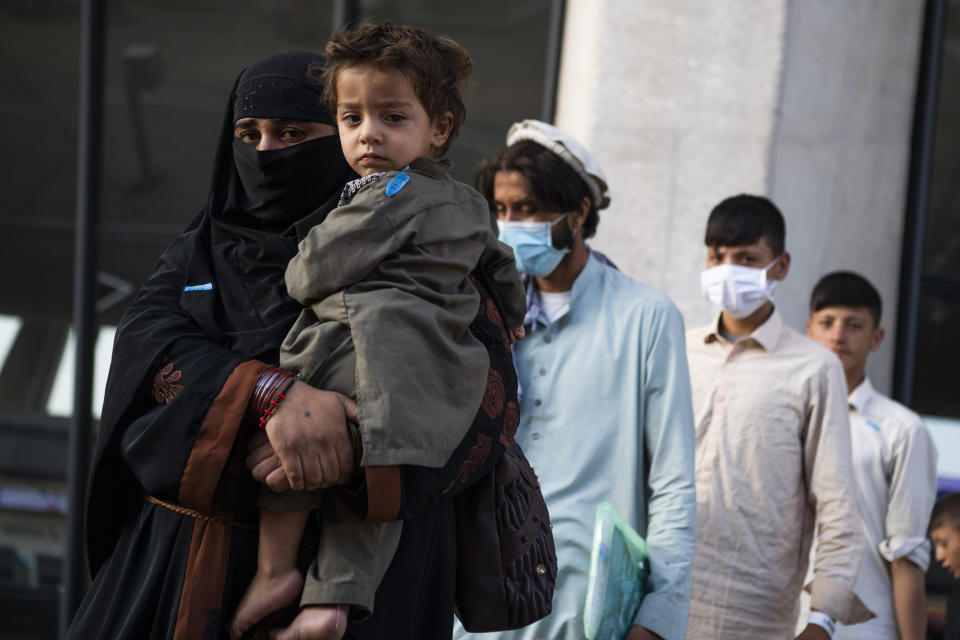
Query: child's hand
517	333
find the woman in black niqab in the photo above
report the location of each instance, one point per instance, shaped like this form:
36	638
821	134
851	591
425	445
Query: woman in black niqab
171	515
261	202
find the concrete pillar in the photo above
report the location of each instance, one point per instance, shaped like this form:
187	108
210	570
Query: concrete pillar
685	102
840	152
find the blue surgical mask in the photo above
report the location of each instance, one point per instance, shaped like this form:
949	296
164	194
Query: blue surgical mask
532	244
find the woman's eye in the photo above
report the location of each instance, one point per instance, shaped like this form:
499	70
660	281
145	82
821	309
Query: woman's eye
292	134
248	137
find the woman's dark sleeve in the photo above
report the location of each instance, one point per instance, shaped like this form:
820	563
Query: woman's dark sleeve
165	375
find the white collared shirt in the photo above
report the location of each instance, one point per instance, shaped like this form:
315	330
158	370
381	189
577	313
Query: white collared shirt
894	462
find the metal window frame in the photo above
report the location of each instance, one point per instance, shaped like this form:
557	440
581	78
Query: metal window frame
912	281
551	80
89	167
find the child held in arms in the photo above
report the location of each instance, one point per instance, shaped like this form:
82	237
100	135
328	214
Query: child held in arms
389	287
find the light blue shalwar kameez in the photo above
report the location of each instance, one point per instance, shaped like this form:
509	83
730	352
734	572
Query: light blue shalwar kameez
605	414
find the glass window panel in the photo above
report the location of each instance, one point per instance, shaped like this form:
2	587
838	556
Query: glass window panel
9	329
938	351
937	347
60	402
170	67
942	243
946	436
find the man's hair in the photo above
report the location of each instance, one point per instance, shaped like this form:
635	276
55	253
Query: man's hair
846	289
946	513
553	183
437	67
745	219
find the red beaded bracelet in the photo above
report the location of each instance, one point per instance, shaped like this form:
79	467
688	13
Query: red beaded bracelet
275	402
270	381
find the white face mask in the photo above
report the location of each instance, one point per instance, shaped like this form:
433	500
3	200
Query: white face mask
737	290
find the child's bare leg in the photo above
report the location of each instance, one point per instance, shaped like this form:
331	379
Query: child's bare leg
277	582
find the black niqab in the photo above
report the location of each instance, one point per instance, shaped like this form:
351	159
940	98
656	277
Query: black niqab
281	185
260	203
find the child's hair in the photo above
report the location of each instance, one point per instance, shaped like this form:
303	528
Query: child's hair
553	183
437	67
846	289
946	513
745	219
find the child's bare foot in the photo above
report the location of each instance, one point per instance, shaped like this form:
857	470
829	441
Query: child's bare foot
316	622
266	594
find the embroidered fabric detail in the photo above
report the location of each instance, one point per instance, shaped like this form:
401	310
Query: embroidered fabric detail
475	457
511	420
165	387
351	188
494	394
493	315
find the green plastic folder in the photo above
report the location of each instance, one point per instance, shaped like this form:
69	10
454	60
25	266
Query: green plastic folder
618	577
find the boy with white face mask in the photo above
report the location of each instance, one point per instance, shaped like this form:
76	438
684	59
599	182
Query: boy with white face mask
773	457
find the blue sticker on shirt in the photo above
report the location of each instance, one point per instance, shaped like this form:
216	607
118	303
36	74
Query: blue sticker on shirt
874	425
397	183
206	286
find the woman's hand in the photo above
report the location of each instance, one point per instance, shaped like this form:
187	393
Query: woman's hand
310	444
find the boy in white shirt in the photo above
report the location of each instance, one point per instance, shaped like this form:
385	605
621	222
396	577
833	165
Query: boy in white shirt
894	463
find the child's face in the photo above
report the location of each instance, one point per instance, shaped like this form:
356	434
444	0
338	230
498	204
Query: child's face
382	123
946	544
847	331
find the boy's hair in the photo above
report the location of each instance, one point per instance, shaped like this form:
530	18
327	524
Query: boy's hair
553	183
846	289
946	513
745	219
437	67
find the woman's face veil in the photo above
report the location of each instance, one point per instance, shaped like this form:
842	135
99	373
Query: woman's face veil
277	187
